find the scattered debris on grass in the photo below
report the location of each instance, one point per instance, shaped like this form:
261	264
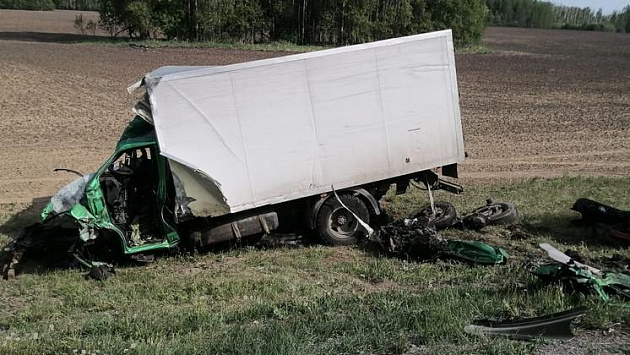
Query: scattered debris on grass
416	237
411	238
554	326
583	278
442	215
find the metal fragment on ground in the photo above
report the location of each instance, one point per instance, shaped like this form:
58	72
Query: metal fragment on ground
554	326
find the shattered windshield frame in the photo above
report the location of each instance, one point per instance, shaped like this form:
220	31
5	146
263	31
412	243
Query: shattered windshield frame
69	195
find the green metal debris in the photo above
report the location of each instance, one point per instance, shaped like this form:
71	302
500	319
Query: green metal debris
605	285
476	252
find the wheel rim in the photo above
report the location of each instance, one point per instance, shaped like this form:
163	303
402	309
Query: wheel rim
490	211
342	223
439	213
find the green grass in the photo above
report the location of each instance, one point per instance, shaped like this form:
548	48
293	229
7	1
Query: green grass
274	46
318	300
474	49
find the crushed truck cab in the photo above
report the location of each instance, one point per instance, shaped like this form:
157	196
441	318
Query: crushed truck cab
312	140
125	198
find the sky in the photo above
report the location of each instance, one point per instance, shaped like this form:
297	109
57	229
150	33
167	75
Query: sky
608	6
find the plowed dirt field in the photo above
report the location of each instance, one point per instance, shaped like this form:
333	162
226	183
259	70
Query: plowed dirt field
543	103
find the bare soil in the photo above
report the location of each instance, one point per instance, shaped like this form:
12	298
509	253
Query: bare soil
544	103
547	103
30	23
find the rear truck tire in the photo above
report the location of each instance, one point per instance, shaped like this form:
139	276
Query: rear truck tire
445	214
336	225
497	213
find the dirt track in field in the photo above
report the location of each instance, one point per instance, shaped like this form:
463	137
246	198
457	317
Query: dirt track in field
544	103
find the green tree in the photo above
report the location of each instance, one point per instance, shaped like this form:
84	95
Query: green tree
336	22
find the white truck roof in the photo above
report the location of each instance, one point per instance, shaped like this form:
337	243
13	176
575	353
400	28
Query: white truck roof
246	135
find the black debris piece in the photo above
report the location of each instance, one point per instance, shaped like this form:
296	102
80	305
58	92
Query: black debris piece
554	326
575	255
594	212
411	238
143	258
616	262
608	221
290	240
101	272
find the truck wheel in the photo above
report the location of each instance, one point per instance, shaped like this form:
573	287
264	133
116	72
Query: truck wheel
336	225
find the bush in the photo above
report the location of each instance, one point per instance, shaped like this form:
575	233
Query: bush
84	26
138	16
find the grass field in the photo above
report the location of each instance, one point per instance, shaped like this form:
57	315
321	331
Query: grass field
324	300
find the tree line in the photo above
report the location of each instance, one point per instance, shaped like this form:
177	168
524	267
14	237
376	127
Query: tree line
47	5
318	22
322	22
544	14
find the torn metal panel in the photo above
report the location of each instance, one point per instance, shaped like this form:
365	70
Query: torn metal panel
143	109
197	193
151	80
160	72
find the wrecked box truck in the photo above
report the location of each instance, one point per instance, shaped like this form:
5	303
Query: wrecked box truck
220	153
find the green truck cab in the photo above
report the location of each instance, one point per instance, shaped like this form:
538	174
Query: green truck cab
126	198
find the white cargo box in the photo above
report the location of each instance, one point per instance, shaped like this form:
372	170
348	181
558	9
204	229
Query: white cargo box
263	132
